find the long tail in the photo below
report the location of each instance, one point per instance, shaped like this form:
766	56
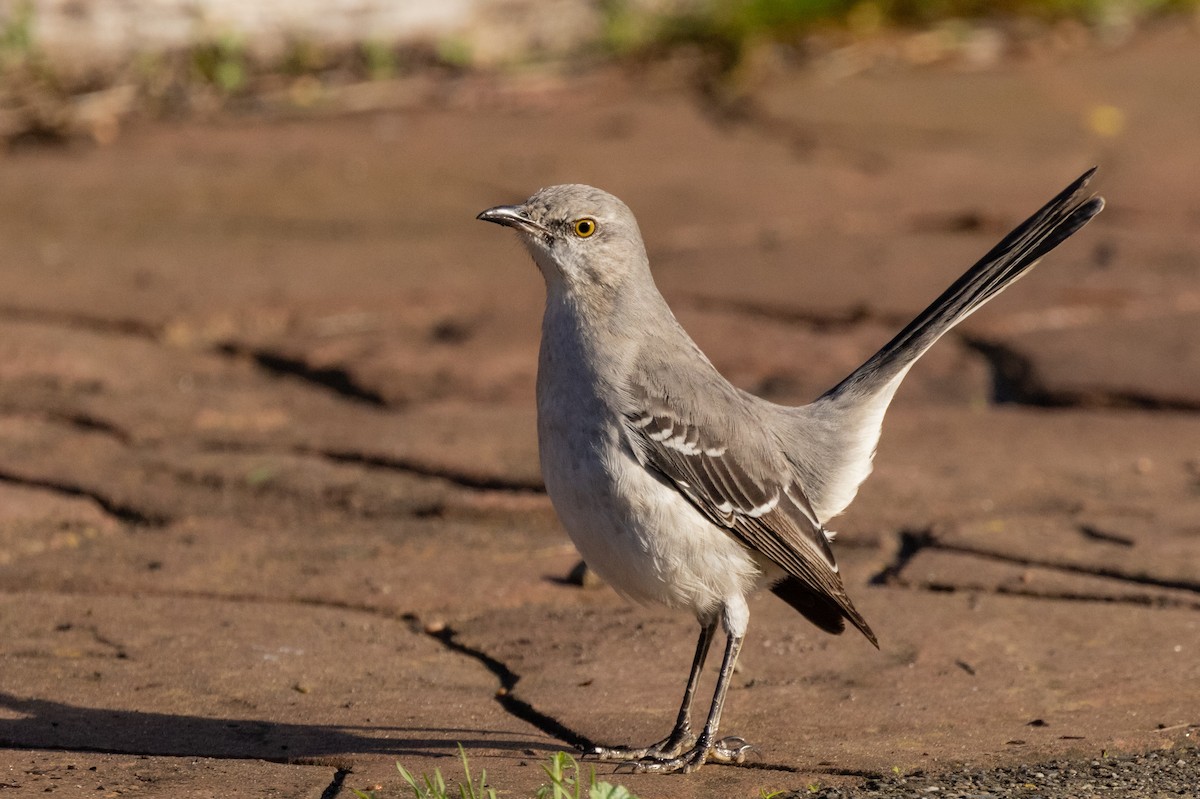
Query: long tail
836	435
1012	257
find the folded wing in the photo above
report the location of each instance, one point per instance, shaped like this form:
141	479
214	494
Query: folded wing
757	500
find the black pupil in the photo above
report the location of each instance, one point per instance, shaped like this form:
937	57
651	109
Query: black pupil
585	228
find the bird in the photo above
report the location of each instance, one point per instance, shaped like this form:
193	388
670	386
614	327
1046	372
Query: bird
680	489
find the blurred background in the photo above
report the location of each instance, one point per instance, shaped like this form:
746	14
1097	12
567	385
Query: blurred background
266	386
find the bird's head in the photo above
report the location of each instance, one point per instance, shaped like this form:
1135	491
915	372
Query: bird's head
583	239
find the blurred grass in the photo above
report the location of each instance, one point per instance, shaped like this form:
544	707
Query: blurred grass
728	25
43	98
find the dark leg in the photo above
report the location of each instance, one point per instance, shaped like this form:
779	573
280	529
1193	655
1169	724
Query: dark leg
729	750
681	737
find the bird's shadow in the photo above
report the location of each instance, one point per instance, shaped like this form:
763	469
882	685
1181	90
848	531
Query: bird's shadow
46	724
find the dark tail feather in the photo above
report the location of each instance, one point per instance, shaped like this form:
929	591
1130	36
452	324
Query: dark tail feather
1007	261
823	611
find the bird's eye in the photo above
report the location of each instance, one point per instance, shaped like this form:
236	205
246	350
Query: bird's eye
585	227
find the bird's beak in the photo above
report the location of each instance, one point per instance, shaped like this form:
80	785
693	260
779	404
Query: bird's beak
512	216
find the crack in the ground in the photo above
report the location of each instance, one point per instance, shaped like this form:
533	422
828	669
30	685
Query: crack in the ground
335	785
87	422
127	514
445	636
1014	376
118	649
512	704
190	752
407	617
92	424
420	468
727	108
1139	600
1106	572
819	321
82	321
525	711
913	542
338	381
1015	380
338	497
78	420
1096	534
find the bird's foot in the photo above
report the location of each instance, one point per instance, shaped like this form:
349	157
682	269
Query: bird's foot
726	750
666	749
730	750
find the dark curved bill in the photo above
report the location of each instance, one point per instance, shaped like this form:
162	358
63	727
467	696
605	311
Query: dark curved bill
511	216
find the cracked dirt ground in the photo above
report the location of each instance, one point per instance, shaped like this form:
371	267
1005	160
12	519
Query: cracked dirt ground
270	512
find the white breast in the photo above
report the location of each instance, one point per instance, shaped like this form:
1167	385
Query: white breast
639	534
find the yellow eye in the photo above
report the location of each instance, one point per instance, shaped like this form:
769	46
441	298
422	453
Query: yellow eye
585	227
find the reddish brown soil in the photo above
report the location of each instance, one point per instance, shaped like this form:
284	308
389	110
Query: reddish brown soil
270	516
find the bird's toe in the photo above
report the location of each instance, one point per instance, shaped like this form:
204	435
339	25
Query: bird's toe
732	749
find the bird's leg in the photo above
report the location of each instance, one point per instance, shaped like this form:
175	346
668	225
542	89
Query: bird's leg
681	736
726	750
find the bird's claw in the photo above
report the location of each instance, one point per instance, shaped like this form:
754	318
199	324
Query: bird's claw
658	760
732	749
686	762
618	753
666	749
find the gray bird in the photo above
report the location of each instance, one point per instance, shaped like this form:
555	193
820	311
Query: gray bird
681	489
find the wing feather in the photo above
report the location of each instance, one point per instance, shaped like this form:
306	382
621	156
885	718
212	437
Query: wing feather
762	505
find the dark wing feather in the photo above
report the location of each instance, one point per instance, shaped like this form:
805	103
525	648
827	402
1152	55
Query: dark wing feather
768	512
820	610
